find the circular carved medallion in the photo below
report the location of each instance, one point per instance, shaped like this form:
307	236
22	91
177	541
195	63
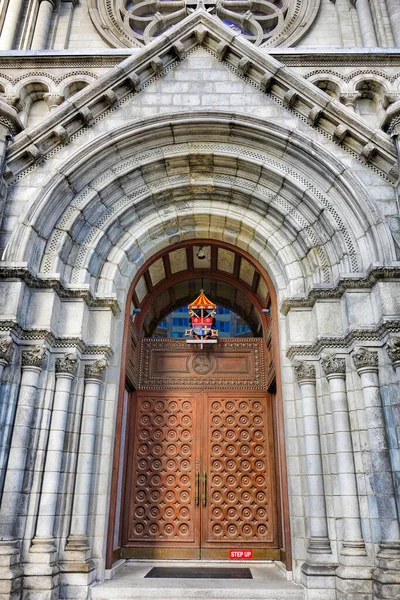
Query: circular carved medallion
202	364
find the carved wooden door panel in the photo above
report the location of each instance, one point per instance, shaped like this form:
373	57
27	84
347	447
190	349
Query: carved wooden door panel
161	487
239	491
200	463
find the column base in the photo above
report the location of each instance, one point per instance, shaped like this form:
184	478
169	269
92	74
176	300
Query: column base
10	571
41	571
353	583
386	577
319	545
77	568
319	581
353	548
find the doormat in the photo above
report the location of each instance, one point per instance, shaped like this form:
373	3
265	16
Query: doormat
199	573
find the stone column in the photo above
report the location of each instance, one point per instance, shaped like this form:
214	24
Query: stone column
335	372
13	504
65	372
387	575
10	25
42	27
319	540
393	7
78	542
10	125
366	23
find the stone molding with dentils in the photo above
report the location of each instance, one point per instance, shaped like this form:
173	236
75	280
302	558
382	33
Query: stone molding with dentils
6	350
333	365
393	350
304	371
68	364
34	357
96	370
298	95
365	359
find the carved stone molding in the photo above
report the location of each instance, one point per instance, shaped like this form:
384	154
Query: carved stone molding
331	365
96	369
6	350
393	350
68	364
304	371
34	357
364	358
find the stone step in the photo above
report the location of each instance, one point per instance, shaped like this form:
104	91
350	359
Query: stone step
268	583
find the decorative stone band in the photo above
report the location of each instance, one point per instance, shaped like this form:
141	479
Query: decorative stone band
68	364
365	359
96	369
393	350
34	357
6	350
332	365
304	371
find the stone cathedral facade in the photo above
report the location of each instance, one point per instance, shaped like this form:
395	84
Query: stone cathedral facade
150	148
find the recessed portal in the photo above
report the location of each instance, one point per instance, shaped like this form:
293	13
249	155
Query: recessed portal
199	452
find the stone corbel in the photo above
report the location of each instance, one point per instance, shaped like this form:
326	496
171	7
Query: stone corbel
179	50
157	65
243	65
86	115
61	134
222	50
34	153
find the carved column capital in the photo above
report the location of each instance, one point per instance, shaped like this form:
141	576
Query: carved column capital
96	369
365	359
34	357
6	350
66	365
333	365
304	371
349	99
9	118
53	100
393	350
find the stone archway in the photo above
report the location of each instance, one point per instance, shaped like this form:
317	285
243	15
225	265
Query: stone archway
237	281
297	211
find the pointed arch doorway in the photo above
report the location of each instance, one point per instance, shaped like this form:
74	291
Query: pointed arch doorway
199	466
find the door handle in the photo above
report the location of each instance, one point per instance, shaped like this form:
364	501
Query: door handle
204	488
197	488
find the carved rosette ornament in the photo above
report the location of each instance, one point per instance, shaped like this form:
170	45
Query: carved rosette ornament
304	371
34	357
365	359
6	350
333	365
96	369
67	365
393	350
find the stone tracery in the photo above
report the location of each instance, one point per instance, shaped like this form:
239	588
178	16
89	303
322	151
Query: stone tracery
262	22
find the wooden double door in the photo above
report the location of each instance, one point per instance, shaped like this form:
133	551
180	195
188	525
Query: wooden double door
200	475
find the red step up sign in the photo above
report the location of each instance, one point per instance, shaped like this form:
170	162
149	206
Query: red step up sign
241	554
